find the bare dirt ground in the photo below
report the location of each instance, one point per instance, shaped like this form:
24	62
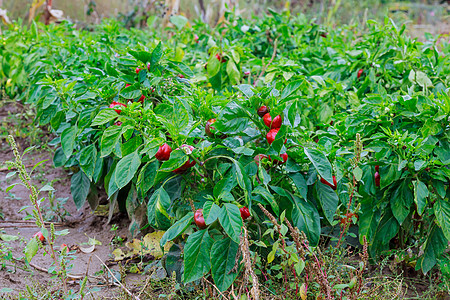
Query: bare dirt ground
82	224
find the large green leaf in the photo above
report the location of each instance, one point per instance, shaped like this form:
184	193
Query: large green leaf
31	249
197	255
433	247
231	221
176	229
104	116
157	53
147	176
109	140
306	218
442	213
387	229
328	200
211	211
157	207
79	187
88	157
401	201
223	259
420	196
320	163
68	140
368	220
443	152
126	169
260	190
300	183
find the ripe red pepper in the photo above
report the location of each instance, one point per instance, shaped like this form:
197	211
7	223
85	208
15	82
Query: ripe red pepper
199	219
138	70
360	72
258	158
116	106
40	236
209	130
141	99
148	66
263	110
333	186
270	136
118	123
127	85
188	149
220	58
377	179
377	168
324	34
245	213
275	123
163	153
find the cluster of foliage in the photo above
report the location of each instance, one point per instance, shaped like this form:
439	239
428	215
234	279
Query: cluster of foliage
175	129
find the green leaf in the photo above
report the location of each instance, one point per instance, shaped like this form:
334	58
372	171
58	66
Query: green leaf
197	255
420	196
143	56
259	190
387	229
223	254
88	157
247	89
147	176
300	183
177	159
104	116
68	140
290	88
443	152
31	249
79	188
59	158
233	72
369	218
213	66
109	140
320	163
328	200
211	212
401	201
157	53
231	221
157	205
176	229
433	247
306	218
442	213
126	169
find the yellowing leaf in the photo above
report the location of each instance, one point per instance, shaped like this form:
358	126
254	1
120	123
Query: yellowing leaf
118	255
303	291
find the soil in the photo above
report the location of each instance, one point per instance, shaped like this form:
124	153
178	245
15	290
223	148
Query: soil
82	224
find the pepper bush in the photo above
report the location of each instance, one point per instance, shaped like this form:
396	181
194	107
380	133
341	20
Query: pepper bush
352	104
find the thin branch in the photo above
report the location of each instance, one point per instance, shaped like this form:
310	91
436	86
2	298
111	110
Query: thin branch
121	285
270	61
